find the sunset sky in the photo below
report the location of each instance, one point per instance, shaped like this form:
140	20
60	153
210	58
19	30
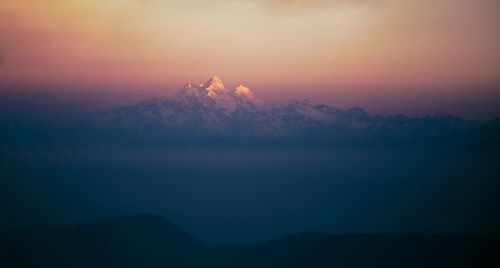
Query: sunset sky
389	56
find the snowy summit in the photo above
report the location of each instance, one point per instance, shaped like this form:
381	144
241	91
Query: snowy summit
212	111
214	93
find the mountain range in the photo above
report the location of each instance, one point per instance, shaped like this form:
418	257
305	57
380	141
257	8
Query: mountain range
212	113
151	241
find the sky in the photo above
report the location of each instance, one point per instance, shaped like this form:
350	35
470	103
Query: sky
389	56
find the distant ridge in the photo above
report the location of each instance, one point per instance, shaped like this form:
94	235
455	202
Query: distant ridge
211	113
145	241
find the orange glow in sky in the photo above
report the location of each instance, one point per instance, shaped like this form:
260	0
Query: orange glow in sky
336	48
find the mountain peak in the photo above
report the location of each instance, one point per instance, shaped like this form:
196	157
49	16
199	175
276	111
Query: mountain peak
215	78
243	91
189	85
214	83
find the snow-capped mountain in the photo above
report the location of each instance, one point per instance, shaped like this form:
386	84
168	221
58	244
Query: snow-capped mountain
208	109
212	111
214	95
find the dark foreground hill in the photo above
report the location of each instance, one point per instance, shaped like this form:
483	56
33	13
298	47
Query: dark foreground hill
151	241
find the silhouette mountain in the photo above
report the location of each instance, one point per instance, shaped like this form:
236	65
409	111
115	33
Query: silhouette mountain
133	241
151	241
